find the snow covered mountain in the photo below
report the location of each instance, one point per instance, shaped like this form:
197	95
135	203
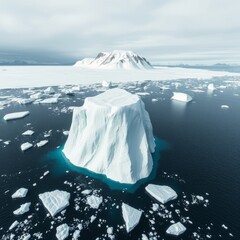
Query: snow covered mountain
118	59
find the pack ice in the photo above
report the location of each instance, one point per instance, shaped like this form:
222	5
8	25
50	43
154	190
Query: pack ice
55	201
112	134
162	193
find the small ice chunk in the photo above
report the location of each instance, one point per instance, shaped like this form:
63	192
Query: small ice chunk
55	201
28	133
23	209
106	84
224	106
131	216
65	133
36	95
86	192
160	192
49	90
15	115
42	143
25	100
110	230
144	237
26	236
176	229
76	235
49	100
94	201
183	97
14	224
20	193
211	86
25	146
62	231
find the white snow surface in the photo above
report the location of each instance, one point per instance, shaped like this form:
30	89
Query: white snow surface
131	216
183	97
62	231
119	144
94	201
20	193
15	115
176	229
23	209
117	59
161	193
55	201
40	76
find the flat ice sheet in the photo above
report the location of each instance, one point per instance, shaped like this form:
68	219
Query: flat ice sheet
39	76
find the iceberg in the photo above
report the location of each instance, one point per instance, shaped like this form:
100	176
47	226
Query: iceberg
13	225
62	231
42	143
211	86
183	97
111	134
176	229
94	202
131	216
49	90
49	100
15	115
23	209
20	193
55	201
161	193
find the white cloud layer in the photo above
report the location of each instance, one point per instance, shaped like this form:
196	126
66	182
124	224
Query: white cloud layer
164	31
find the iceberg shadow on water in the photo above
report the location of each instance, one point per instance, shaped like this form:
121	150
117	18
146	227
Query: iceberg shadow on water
63	165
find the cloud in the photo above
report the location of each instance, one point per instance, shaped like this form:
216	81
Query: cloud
173	29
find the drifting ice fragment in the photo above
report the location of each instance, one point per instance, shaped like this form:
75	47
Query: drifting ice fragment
62	231
183	97
28	133
211	86
106	84
94	202
23	209
224	106
131	216
20	193
42	143
120	145
49	90
25	146
14	224
162	193
176	229
15	115
49	100
55	201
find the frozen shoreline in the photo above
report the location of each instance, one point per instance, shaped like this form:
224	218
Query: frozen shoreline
42	76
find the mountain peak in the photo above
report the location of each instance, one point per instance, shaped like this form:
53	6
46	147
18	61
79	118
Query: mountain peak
117	59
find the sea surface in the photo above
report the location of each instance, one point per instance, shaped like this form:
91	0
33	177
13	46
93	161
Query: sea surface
198	155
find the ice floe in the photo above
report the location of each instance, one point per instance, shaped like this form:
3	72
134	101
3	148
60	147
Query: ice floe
131	216
55	201
161	193
62	231
94	201
20	193
15	115
42	143
176	229
25	146
182	97
23	209
28	133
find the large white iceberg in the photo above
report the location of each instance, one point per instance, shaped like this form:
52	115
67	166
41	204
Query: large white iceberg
183	97
162	193
176	229
131	216
112	134
55	201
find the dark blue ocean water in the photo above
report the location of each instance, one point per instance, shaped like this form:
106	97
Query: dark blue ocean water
198	154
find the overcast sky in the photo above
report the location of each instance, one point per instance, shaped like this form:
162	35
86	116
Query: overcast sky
163	31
